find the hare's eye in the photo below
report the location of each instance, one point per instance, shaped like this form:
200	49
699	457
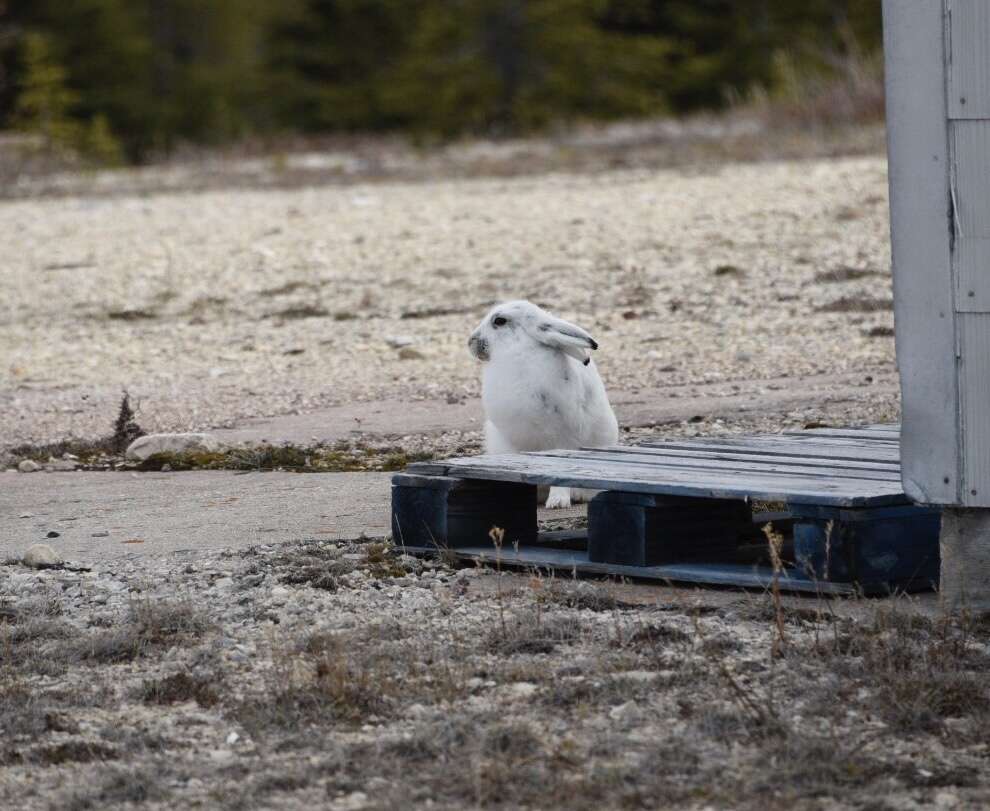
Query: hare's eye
499	321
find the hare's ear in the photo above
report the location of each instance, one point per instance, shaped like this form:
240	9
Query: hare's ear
562	335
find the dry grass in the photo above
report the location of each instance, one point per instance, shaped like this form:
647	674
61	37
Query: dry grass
848	90
40	644
559	692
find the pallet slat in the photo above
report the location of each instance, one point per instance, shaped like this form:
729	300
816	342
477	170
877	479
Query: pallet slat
720	467
539	469
707	453
849	453
659	457
709	574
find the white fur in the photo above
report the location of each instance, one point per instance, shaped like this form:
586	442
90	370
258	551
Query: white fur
540	388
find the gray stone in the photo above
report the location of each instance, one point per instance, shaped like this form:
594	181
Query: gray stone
41	556
61	465
145	446
28	466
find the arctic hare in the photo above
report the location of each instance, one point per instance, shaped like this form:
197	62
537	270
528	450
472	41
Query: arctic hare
540	387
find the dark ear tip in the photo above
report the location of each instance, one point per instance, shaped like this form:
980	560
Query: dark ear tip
594	343
586	361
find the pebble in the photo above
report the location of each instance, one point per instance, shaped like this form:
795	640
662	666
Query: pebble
28	466
408	353
521	689
41	556
100	534
399	341
352	802
145	446
627	713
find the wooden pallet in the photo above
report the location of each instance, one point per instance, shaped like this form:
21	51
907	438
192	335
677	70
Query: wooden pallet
681	510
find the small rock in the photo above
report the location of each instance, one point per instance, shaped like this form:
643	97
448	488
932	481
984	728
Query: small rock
145	446
61	464
41	556
352	802
28	466
100	534
279	594
233	738
408	353
521	689
946	799
627	713
638	675
53	534
399	341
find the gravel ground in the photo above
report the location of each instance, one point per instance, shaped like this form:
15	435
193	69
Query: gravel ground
214	307
340	675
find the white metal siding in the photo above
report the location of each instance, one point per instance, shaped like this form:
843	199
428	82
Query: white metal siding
971	176
972	261
974	370
924	311
969	70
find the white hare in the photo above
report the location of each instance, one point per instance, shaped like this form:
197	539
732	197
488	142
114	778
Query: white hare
540	388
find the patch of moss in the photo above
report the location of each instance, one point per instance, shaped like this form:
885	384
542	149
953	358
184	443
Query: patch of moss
287	457
85	450
189	460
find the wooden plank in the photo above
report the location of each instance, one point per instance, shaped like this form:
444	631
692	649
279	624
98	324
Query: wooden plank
974	390
918	170
866	435
725	467
795	441
718	574
971	178
705	453
894	427
969	63
631	478
772	448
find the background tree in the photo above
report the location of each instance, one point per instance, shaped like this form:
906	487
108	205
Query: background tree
154	73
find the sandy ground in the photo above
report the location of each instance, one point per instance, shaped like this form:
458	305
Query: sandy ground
219	307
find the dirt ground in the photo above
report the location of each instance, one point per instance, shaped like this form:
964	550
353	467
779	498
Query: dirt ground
217	307
336	672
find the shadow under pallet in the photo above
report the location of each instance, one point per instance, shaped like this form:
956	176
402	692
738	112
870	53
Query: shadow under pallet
683	511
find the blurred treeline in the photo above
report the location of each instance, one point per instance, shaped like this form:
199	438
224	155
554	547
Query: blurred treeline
127	79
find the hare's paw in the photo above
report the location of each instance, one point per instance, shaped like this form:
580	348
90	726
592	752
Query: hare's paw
559	498
581	494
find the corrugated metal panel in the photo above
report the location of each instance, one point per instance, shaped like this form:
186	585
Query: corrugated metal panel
969	68
974	390
971	177
917	146
972	263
